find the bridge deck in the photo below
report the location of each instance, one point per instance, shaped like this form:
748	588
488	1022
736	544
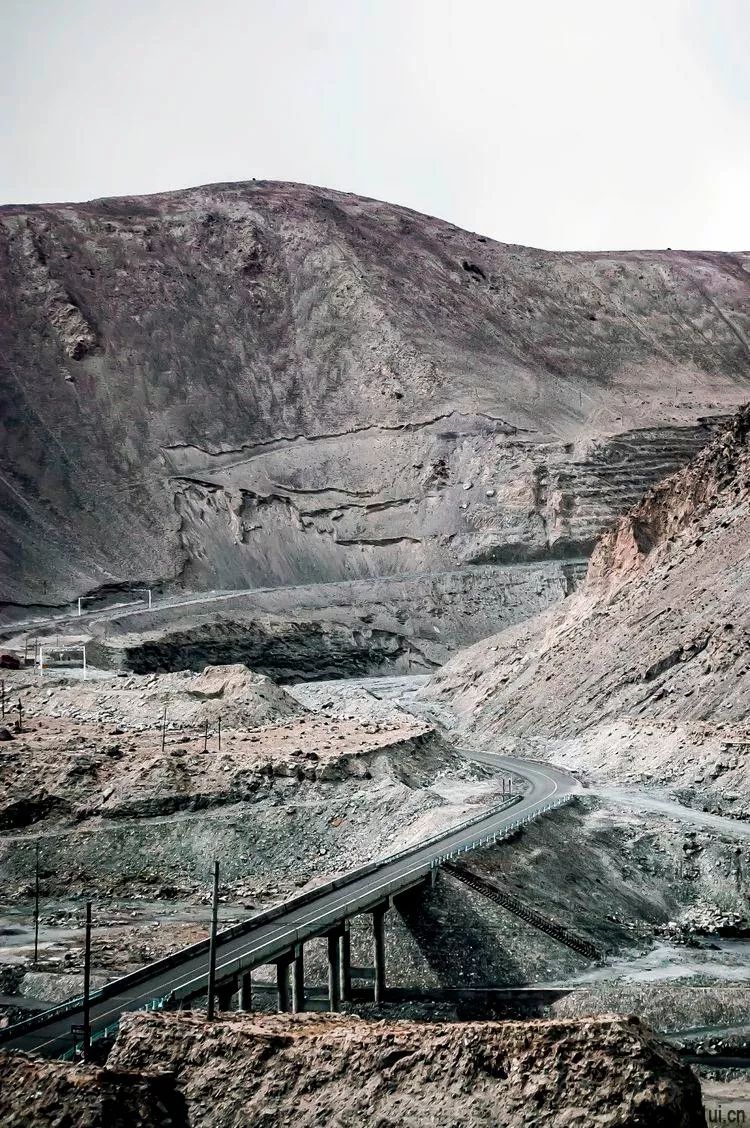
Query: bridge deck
272	935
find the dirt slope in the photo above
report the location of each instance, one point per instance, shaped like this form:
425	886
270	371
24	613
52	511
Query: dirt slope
242	698
645	670
269	383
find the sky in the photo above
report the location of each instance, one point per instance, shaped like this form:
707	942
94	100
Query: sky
564	124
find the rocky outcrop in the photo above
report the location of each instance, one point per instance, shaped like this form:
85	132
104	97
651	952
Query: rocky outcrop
323	1069
134	806
261	383
646	667
69	768
54	1094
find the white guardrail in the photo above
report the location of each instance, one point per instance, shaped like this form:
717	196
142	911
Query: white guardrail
486	839
500	835
236	965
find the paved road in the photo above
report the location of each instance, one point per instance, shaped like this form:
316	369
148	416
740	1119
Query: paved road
270	940
128	608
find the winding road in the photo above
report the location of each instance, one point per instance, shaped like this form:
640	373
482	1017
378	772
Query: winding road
271	935
126	608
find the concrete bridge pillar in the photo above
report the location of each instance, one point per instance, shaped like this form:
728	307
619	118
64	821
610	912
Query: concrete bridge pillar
245	996
224	992
282	983
334	970
345	962
298	979
378	918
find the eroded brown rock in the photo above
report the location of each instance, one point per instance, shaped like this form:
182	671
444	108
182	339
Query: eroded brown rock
313	1070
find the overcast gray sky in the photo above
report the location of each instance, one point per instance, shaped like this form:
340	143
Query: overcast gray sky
557	123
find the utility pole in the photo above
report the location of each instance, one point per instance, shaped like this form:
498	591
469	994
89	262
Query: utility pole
36	907
205	737
220	732
212	946
163	730
87	985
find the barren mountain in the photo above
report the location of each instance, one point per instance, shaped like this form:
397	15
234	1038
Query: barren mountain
645	670
265	383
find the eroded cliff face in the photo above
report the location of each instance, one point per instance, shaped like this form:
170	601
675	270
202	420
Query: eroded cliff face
263	383
644	672
49	1094
314	1069
311	1069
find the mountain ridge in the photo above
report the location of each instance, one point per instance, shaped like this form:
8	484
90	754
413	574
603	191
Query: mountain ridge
448	398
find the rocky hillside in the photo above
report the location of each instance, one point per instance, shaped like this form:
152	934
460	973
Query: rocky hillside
53	1094
647	665
313	1070
278	793
265	383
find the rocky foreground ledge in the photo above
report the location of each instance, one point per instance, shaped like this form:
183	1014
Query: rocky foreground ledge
324	1070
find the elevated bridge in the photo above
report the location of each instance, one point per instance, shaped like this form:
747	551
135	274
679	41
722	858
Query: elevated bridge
278	935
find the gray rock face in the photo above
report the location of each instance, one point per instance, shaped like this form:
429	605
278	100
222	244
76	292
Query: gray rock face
265	383
643	675
398	624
